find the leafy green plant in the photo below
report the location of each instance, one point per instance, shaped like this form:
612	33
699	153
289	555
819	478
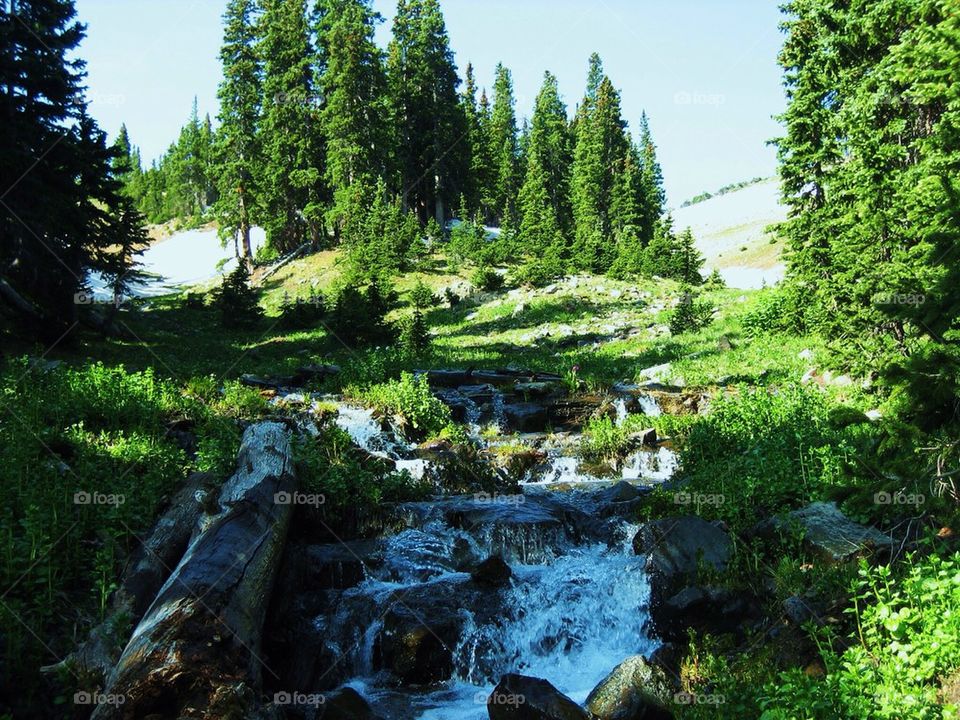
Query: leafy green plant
410	404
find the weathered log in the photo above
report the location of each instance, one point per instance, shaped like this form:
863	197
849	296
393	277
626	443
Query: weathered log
148	568
196	652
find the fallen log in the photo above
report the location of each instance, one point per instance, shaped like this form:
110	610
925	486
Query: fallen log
195	653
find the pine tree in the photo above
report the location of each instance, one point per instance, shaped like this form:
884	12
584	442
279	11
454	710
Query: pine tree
544	198
480	177
430	133
503	145
353	83
600	153
238	153
60	203
292	172
652	195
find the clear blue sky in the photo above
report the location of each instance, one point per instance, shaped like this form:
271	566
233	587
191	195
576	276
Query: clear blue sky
704	70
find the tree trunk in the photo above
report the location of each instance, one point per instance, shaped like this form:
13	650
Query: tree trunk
196	651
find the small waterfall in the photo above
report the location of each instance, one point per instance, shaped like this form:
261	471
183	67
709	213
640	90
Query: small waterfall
651	465
360	424
649	405
573	620
620	405
499	416
473	417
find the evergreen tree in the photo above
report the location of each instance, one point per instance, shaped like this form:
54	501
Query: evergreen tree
652	196
430	134
61	204
292	173
544	198
238	148
353	84
599	155
504	151
480	177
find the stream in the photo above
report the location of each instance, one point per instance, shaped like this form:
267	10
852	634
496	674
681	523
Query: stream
574	608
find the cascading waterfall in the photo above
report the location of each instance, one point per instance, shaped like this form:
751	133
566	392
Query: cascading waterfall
649	405
574	608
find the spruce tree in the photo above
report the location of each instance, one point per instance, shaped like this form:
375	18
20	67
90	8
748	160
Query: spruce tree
352	81
238	153
504	151
431	148
544	200
292	172
61	204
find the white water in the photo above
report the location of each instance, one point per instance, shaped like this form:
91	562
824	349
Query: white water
653	466
649	405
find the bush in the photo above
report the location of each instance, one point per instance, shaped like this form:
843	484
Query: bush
237	300
422	297
410	404
358	316
486	278
302	313
414	334
690	314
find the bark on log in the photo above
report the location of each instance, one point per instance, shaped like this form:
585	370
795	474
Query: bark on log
196	653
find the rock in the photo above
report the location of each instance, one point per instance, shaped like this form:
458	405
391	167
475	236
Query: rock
519	697
677	545
313	371
448	378
809	376
519	309
535	389
550	289
424	624
657	372
646	437
798	610
345	704
616	294
842	381
805	354
635	690
831	534
676	548
621	492
525	417
724	344
493	572
341	565
267	383
709	609
873	415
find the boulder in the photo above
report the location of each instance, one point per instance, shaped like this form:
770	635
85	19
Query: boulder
534	389
660	372
493	571
646	437
831	535
709	609
345	704
525	417
635	690
424	624
340	565
675	547
519	697
314	371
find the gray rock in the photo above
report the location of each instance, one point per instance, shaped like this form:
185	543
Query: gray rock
660	372
831	534
493	571
525	417
519	697
634	690
535	389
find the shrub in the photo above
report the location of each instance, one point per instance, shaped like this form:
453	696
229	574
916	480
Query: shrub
358	316
414	334
237	300
422	297
486	278
410	404
302	313
690	314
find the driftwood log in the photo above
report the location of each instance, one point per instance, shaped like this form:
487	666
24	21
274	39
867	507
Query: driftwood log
196	652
